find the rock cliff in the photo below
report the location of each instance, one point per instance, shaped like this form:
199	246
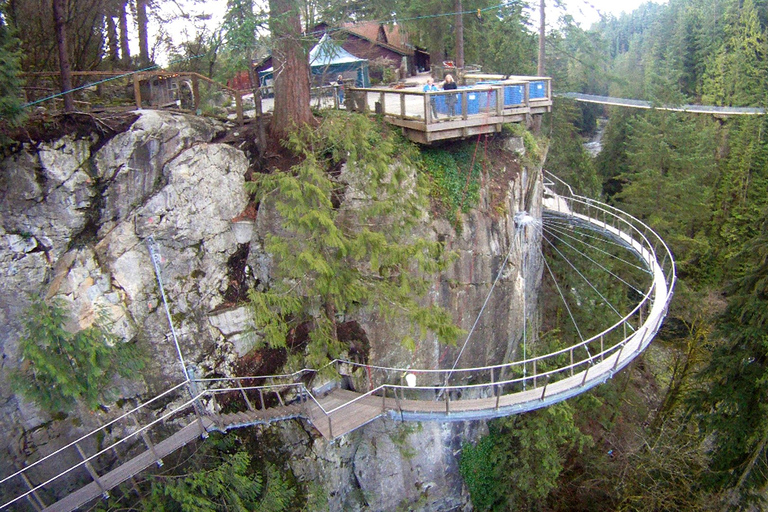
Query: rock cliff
75	216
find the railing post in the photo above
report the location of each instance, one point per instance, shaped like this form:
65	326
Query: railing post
464	110
382	103
602	348
261	399
92	472
534	373
427	110
399	409
402	106
330	425
196	96
618	356
544	390
571	353
148	443
37	503
245	396
384	399
584	380
137	90
527	95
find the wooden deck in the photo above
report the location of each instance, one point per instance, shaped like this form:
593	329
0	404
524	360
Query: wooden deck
479	109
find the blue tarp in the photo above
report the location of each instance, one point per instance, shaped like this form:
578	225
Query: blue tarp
328	60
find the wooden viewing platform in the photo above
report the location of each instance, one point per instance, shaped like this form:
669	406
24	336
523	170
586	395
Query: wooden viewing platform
484	107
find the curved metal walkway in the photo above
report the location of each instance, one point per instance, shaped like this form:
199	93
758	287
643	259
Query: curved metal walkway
193	408
695	109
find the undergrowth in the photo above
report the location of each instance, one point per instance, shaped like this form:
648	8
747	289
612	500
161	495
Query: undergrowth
455	176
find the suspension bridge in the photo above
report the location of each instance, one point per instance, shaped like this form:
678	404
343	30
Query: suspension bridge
647	105
114	453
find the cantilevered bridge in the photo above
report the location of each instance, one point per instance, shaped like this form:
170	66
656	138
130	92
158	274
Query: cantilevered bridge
143	436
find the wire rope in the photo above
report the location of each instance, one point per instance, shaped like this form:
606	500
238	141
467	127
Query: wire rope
586	280
599	265
564	234
565	302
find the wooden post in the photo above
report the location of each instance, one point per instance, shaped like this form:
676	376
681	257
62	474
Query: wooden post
402	106
571	352
147	443
584	380
137	89
92	472
527	95
544	391
196	92
261	399
427	110
464	112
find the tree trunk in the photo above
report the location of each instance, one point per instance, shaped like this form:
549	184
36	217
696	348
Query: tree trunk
112	43
542	30
291	69
59	21
125	51
141	20
459	35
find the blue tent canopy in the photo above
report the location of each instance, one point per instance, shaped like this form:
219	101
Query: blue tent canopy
327	60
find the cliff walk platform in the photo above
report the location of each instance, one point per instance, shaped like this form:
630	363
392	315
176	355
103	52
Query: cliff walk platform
140	438
480	108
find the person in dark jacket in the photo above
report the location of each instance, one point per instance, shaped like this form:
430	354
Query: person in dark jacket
450	99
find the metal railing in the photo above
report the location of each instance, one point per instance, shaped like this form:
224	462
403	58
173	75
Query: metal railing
497	98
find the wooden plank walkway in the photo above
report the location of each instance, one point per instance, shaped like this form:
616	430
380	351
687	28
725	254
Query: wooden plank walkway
134	466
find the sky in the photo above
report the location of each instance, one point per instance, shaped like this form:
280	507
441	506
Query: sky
584	12
587	12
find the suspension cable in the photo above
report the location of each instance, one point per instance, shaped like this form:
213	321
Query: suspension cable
598	264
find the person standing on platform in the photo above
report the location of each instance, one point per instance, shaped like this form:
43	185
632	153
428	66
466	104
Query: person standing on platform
450	99
340	90
428	87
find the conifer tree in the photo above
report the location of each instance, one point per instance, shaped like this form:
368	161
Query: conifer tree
347	215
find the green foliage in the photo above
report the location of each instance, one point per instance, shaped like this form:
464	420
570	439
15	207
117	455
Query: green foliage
732	402
231	485
518	463
455	188
61	367
346	239
567	157
10	84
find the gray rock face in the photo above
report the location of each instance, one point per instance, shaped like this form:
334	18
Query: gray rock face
491	289
74	223
388	465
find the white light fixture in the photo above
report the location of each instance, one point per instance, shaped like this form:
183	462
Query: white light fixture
410	379
243	230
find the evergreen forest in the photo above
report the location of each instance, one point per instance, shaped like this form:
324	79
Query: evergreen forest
686	426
